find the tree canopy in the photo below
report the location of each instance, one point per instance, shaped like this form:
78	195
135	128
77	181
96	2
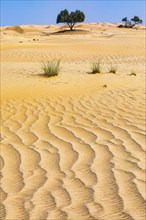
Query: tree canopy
70	18
136	20
126	21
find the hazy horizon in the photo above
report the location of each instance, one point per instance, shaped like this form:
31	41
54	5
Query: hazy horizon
45	12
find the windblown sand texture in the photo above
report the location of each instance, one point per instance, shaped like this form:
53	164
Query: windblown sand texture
71	147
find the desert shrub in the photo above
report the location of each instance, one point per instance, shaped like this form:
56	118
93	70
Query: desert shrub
51	68
113	69
96	67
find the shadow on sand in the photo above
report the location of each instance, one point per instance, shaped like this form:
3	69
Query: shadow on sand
68	32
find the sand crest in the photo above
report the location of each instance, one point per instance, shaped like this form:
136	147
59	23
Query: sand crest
14	28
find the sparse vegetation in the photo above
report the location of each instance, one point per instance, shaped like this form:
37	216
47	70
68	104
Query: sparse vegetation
70	18
128	23
51	68
96	67
113	69
136	20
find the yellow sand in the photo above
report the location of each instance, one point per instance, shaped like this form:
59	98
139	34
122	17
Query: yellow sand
72	146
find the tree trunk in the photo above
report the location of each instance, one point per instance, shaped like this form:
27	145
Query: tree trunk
70	26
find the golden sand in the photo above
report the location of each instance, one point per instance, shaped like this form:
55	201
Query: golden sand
72	146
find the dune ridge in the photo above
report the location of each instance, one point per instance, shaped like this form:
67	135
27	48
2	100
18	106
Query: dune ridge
14	28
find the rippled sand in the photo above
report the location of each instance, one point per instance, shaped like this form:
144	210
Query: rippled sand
71	147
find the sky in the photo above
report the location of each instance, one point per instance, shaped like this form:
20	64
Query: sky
20	12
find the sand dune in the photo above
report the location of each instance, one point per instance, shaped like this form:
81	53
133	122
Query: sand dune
72	148
33	28
14	28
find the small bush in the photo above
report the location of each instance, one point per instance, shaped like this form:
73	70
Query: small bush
96	67
113	69
132	73
51	68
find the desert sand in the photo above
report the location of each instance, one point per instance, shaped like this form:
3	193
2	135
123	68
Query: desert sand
72	146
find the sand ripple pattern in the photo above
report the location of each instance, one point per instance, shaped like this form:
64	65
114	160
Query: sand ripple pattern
73	50
75	56
69	159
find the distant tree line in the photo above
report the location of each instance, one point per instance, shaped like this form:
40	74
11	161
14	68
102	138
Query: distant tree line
78	16
130	23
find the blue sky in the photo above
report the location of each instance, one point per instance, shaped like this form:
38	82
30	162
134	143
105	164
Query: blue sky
21	12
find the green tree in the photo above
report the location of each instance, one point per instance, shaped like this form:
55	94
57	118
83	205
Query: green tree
126	21
136	20
70	18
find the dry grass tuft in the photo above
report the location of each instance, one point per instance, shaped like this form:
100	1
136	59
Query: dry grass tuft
51	68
